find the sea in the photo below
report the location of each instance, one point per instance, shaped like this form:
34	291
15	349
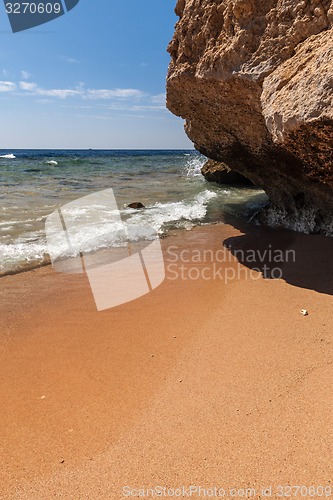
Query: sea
169	183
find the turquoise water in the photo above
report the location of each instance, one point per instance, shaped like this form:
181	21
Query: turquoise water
34	183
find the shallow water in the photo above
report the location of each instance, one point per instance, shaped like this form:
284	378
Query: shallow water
35	183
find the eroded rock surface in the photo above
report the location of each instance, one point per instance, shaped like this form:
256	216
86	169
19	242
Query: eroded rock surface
254	81
213	171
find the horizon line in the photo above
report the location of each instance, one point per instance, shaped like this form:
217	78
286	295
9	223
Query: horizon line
98	149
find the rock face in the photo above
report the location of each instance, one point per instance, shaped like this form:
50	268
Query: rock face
254	81
213	171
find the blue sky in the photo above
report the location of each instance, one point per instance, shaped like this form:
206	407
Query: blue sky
93	78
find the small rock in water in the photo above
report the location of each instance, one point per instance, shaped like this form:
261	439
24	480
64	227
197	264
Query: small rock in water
136	205
304	312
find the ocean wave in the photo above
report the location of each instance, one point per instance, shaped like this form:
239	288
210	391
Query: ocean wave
160	215
32	249
21	255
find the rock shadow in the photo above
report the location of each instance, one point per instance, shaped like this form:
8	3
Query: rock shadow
305	261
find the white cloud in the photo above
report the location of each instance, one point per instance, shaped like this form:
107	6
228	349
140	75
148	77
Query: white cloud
35	90
76	106
71	60
159	98
121	100
115	93
60	93
135	107
25	75
81	91
148	107
30	86
7	86
44	101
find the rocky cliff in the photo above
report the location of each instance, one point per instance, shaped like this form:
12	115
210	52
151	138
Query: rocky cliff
254	81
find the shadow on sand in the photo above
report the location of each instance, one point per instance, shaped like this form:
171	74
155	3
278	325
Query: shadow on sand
306	261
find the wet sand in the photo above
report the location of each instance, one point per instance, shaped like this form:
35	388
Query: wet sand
201	382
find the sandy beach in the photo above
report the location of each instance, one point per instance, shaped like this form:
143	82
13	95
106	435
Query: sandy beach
201	382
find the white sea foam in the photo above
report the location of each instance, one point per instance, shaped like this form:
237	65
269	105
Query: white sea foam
20	254
194	165
8	157
32	247
177	213
52	162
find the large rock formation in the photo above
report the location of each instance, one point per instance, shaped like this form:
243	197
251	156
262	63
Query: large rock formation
254	81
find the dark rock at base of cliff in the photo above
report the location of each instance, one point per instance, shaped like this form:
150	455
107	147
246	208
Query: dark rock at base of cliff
136	205
220	173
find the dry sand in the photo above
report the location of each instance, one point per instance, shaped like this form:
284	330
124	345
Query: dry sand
197	383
